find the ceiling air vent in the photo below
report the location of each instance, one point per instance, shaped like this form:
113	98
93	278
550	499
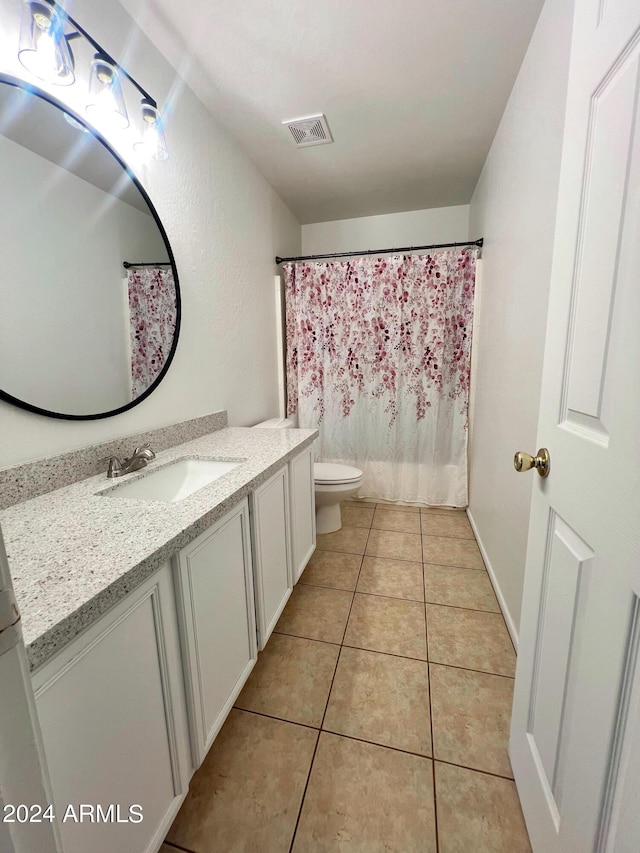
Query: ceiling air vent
312	130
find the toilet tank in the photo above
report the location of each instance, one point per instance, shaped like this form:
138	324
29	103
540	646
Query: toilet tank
275	423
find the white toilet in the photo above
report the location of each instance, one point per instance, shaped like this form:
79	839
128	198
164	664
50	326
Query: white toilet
333	483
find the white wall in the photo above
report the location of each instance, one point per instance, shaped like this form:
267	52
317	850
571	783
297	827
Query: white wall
413	228
513	207
225	224
63	289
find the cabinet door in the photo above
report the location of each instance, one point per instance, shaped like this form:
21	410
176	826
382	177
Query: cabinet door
216	611
111	710
303	511
271	551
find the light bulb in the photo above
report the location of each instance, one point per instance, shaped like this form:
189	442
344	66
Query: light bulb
44	49
106	101
153	145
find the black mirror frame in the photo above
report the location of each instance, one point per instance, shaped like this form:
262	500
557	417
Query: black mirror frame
22	404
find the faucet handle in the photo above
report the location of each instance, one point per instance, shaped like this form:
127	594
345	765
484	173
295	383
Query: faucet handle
115	466
145	450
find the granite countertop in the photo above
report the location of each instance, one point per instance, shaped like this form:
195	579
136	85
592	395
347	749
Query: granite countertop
74	553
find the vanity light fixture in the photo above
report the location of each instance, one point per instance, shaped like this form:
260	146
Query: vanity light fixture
106	101
44	49
45	35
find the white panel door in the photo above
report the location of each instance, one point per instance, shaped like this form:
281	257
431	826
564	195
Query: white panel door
303	511
216	611
575	737
271	551
110	709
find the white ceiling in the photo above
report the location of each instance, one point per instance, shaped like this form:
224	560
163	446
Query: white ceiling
413	90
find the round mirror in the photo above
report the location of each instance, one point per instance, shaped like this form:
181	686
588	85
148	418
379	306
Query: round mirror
81	336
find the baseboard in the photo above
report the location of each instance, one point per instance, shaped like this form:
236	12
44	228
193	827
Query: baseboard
494	583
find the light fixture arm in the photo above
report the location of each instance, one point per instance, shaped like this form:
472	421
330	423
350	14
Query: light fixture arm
81	32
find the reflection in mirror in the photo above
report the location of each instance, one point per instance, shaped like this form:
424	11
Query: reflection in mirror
79	336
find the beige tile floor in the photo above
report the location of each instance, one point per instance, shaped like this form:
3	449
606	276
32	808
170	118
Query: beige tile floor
377	717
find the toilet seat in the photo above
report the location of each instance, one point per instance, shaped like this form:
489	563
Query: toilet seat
333	474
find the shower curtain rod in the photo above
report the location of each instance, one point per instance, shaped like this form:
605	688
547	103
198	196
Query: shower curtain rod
128	264
380	251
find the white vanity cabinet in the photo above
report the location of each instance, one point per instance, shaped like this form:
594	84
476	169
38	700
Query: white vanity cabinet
111	710
303	510
214	591
270	534
130	707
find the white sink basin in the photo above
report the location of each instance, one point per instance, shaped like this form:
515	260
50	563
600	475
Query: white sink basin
174	481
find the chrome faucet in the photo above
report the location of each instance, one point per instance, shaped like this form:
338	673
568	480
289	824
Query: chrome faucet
139	459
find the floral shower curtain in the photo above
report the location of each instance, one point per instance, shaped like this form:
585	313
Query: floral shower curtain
378	359
152	317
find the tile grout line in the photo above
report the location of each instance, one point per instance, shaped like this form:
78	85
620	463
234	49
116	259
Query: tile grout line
304	793
396	530
413	533
398	598
373	743
433	743
376	594
473	769
396	655
275	717
459	607
466	669
400	559
425	561
392	597
378	556
313	639
346	624
384	746
324	714
360	648
177	847
326	586
450	536
398	508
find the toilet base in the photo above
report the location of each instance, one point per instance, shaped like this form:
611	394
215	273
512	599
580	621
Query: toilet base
328	518
328	497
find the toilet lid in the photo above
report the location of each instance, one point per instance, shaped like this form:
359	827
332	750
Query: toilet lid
331	473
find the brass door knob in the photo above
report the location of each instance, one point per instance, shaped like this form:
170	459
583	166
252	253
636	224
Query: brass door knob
541	462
